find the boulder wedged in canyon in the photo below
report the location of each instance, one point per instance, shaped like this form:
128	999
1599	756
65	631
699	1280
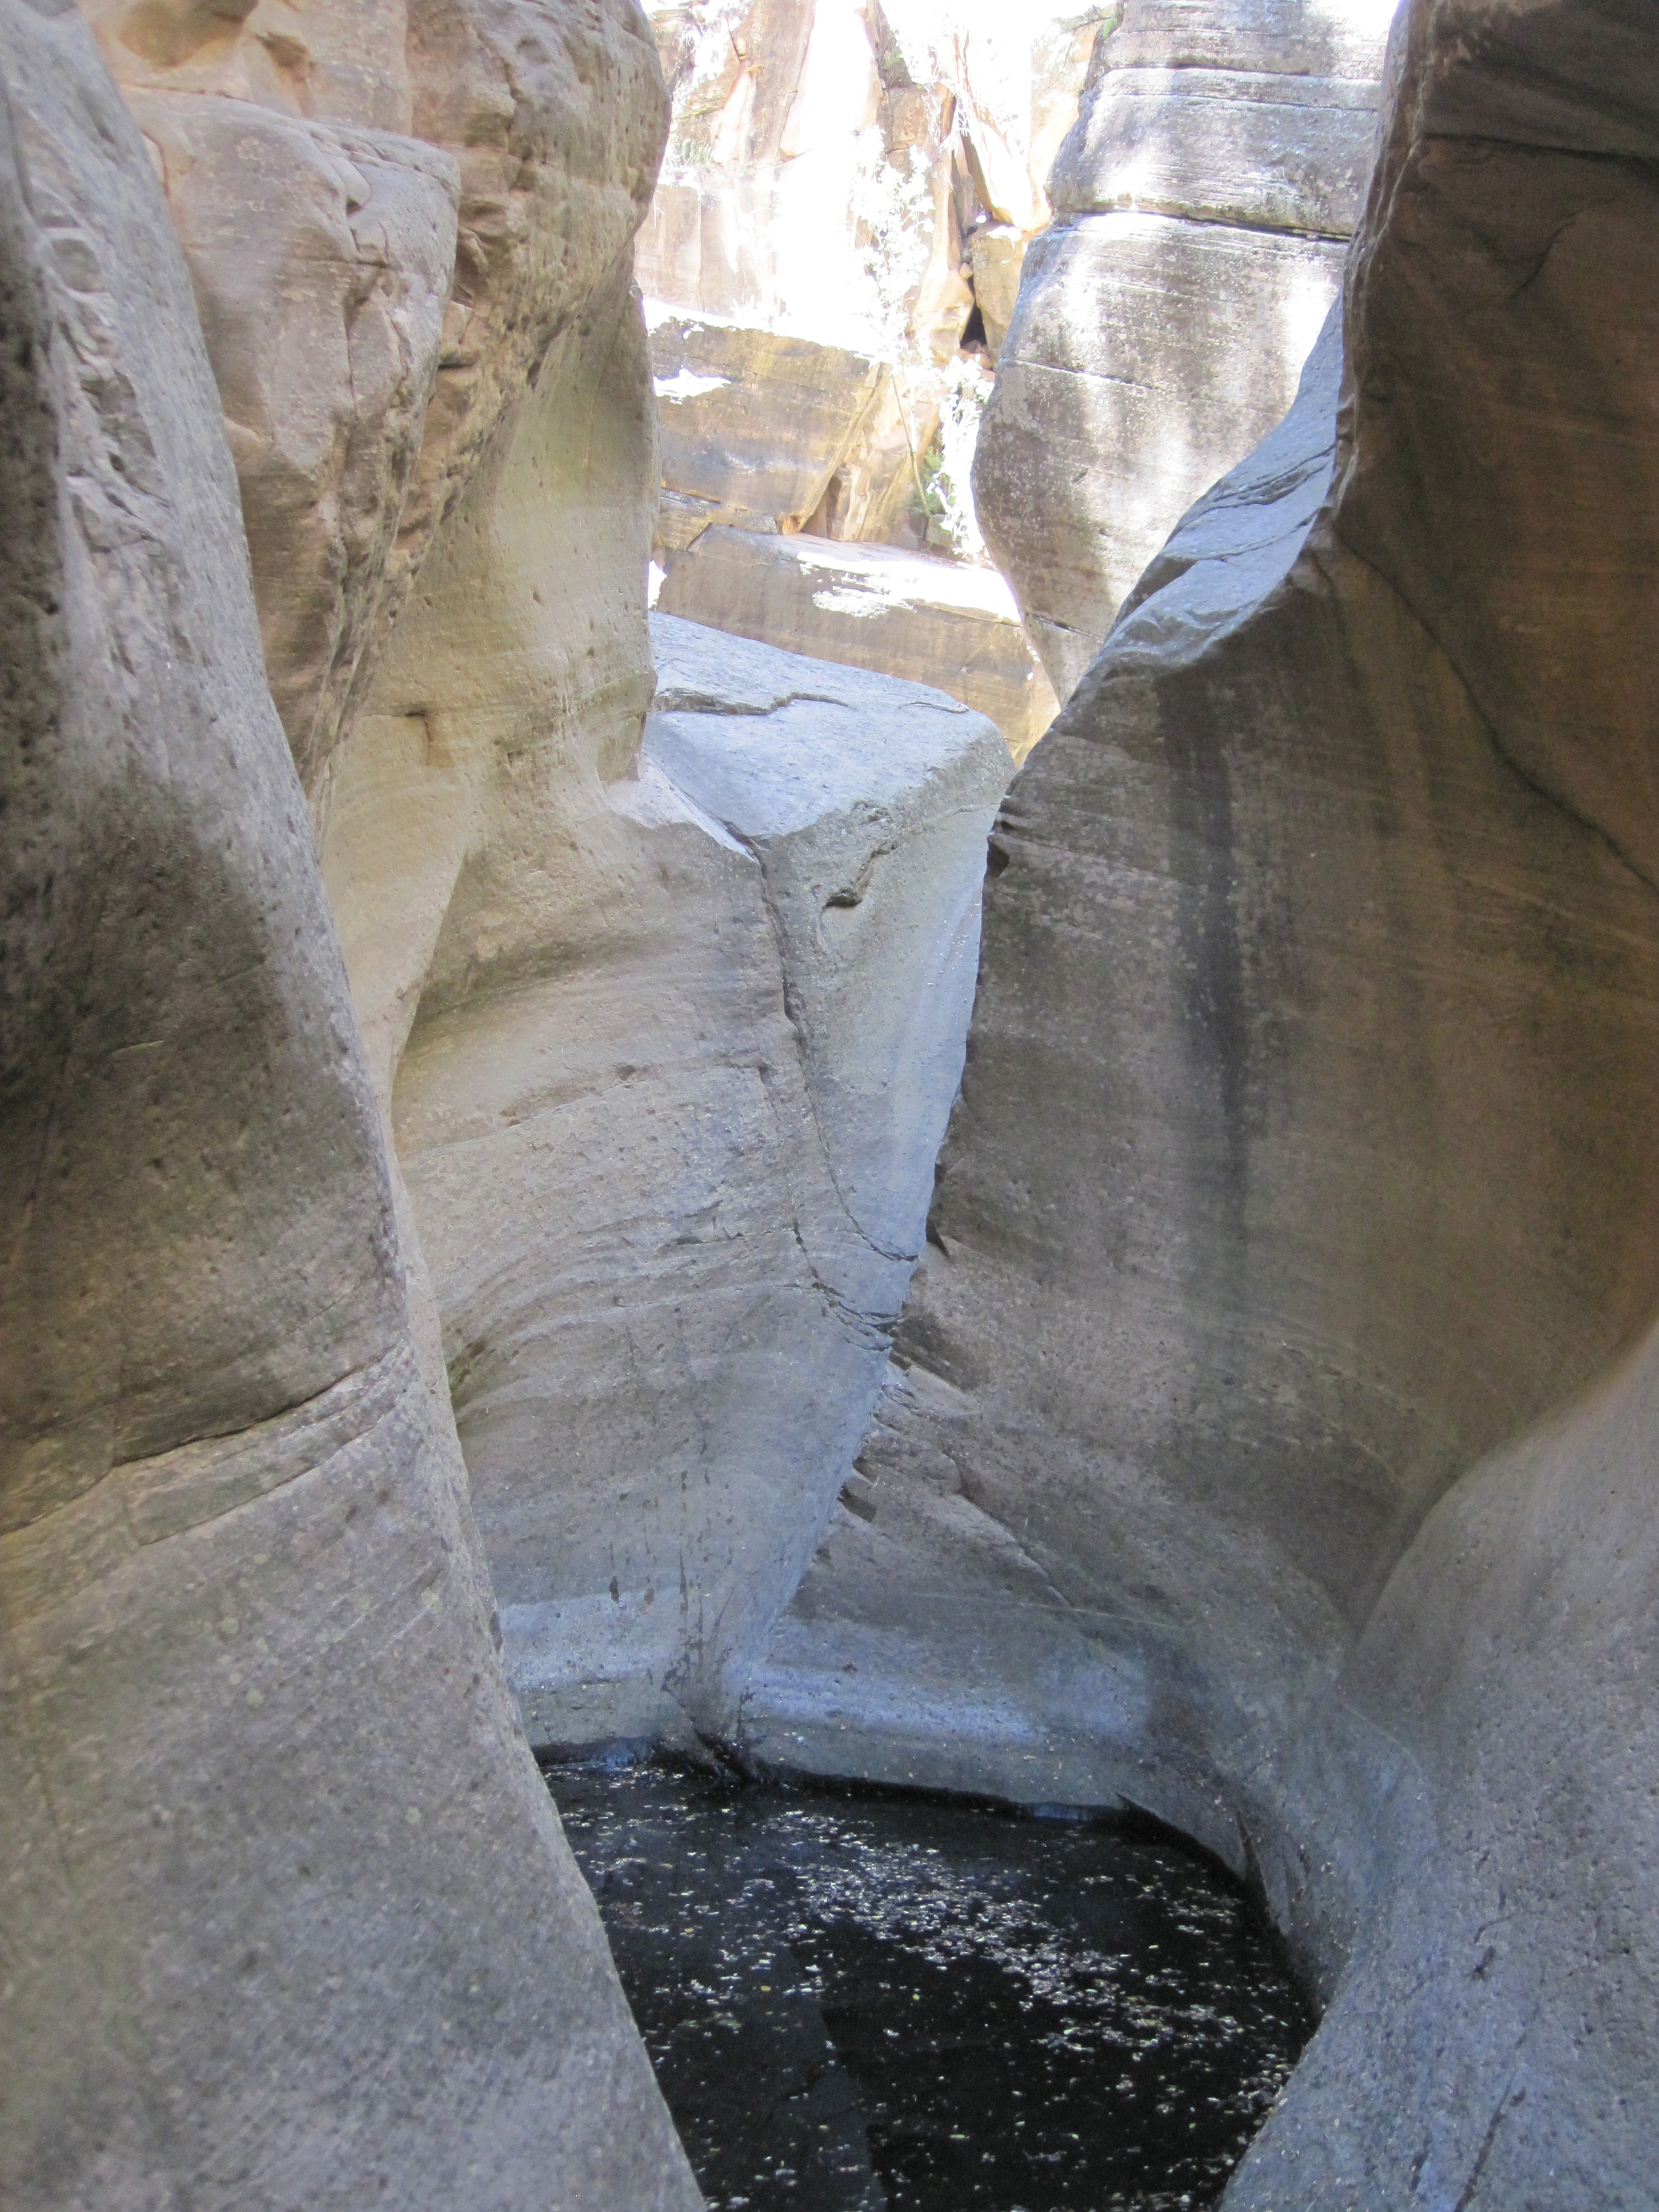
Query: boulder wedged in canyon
669	1109
943	623
287	1918
1269	1441
1201	206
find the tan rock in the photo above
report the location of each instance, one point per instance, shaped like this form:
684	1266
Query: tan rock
871	606
556	119
331	63
830	171
321	261
755	422
288	1918
365	356
998	252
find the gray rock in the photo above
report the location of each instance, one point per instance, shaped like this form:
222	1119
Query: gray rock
670	1174
1218	163
1269	1441
286	1919
1145	352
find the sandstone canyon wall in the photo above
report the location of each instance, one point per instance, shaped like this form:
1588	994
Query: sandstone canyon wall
1269	1444
1201	206
668	1193
842	184
630	1263
288	1919
390	215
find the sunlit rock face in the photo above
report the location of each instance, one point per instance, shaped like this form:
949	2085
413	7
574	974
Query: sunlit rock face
1201	206
286	1919
874	606
829	162
1270	1440
831	263
753	425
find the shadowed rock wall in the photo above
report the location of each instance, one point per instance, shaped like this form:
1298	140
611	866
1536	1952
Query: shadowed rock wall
286	1918
1270	1445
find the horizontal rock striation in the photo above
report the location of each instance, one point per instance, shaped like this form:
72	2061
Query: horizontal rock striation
1269	1440
1201	207
830	261
753	424
286	1919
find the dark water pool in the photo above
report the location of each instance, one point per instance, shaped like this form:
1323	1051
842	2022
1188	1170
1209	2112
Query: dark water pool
860	2003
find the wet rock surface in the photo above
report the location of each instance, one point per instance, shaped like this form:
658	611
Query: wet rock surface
880	2004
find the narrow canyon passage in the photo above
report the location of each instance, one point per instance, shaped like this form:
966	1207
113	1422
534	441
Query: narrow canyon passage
829	952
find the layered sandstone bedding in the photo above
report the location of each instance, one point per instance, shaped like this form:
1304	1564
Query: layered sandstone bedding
872	606
831	263
288	1918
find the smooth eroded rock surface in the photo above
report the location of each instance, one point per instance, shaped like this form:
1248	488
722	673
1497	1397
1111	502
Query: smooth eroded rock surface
1201	204
1265	1446
286	1918
686	1039
871	606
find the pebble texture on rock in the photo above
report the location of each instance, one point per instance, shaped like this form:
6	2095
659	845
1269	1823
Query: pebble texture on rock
1270	1441
668	1118
1202	205
285	1915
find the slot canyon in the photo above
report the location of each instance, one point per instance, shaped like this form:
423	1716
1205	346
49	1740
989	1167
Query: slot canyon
829	953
